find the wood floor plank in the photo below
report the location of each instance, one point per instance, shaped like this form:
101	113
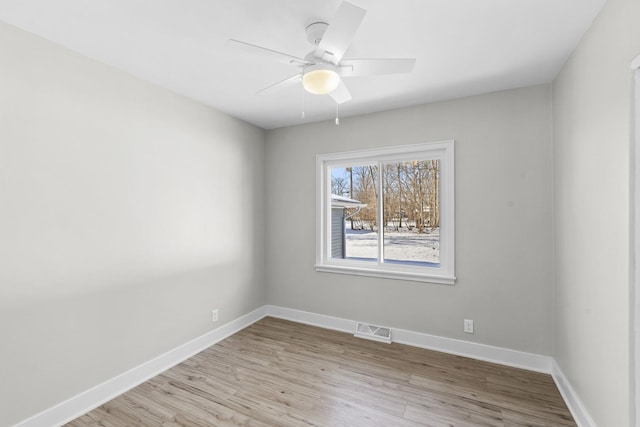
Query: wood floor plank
281	373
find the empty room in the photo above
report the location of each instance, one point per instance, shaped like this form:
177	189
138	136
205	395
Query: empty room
319	213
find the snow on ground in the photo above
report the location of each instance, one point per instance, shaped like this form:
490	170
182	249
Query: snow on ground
401	245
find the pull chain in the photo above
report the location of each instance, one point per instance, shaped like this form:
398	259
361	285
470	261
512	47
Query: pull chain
337	117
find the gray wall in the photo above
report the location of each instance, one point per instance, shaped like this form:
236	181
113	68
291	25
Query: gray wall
592	111
503	221
127	213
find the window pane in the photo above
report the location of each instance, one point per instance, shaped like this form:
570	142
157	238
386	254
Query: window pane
354	224
412	213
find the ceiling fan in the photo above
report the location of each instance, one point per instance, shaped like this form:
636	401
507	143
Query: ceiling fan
322	69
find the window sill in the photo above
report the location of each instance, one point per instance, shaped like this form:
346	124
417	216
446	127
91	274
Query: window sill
386	274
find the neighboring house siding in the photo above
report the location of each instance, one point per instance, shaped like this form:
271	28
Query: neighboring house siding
337	233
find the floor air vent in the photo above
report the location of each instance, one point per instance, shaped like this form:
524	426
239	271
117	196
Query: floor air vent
371	332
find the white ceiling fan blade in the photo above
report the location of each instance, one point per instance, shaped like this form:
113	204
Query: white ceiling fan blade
341	94
289	81
340	33
371	67
266	52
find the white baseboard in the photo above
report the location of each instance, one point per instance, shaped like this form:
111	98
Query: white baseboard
96	396
308	318
575	405
503	356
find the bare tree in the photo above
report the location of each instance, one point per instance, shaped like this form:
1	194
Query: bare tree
410	192
364	190
339	186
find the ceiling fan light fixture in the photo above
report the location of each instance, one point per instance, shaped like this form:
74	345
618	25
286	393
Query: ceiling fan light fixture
320	79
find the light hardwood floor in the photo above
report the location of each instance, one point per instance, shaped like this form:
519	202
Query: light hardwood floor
280	373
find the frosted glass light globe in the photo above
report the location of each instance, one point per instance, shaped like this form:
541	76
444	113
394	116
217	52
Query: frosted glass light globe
320	81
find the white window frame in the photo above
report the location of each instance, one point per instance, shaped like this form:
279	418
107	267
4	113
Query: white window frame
442	151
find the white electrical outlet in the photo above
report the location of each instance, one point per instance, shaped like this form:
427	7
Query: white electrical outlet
214	315
468	326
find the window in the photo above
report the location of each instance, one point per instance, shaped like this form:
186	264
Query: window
387	212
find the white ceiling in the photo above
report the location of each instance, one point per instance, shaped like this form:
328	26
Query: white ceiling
462	47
